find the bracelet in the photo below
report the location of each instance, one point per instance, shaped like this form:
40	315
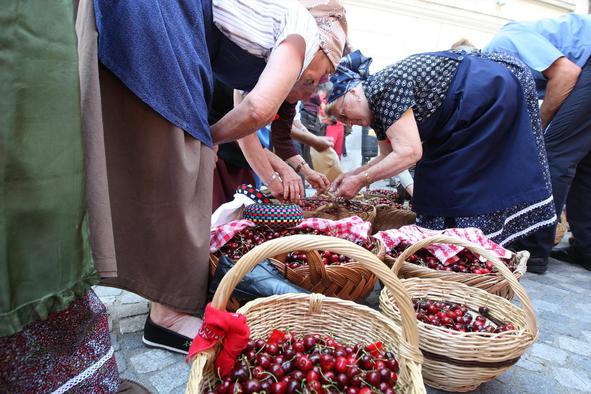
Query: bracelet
368	179
274	176
299	166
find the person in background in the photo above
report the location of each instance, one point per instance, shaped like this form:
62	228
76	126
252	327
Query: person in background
467	120
54	331
558	53
310	111
148	69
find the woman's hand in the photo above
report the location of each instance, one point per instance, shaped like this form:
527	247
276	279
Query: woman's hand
339	179
323	143
293	189
349	186
318	181
276	188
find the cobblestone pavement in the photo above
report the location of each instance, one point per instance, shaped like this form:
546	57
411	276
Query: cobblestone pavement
559	362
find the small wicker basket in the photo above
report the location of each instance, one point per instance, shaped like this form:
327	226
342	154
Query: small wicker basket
349	281
333	210
457	361
494	283
314	313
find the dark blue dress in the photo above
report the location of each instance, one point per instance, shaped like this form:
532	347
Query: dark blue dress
483	162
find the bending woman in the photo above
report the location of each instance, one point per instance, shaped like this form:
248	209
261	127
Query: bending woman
149	144
470	122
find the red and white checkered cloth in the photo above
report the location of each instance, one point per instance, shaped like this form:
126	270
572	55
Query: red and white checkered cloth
444	252
352	228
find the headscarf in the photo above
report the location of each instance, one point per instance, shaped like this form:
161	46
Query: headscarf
352	69
332	27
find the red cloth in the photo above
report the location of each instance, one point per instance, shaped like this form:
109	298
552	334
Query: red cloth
352	228
229	329
337	132
412	233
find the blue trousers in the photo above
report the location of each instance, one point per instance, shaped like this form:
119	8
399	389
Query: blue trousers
568	146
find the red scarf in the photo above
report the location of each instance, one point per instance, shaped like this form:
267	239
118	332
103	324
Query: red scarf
229	329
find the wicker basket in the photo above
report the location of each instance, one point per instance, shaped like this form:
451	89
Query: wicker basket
388	218
349	281
494	283
456	361
334	211
314	313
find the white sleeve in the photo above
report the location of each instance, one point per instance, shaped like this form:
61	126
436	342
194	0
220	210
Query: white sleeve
259	26
405	179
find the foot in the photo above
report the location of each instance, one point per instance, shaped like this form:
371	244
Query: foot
537	265
571	255
179	322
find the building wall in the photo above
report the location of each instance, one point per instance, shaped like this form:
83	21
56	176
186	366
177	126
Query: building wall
389	30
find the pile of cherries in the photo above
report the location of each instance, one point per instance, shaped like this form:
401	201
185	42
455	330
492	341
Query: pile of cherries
313	203
297	259
250	237
286	363
466	262
458	317
383	197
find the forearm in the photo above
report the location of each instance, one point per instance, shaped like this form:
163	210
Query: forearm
256	156
242	121
394	163
301	134
562	77
276	162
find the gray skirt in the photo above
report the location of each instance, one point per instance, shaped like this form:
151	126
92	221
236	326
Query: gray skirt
149	188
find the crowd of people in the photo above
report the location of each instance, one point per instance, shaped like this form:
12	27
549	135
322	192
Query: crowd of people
129	123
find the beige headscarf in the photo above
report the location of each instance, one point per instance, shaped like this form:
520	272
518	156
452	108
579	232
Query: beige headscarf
332	26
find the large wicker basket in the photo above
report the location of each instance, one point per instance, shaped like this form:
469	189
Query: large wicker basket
494	282
349	281
314	313
457	361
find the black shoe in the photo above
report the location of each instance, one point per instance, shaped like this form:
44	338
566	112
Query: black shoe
163	338
537	265
572	255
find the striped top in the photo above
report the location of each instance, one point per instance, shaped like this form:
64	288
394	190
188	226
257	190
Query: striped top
259	26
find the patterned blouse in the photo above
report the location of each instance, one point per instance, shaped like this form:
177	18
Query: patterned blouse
419	82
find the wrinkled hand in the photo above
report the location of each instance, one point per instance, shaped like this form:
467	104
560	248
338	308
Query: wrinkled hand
276	188
348	186
338	180
318	181
323	143
293	189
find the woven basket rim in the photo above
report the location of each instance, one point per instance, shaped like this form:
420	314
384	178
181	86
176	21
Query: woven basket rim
408	329
461	288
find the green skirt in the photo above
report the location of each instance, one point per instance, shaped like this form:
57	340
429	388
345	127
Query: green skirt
44	254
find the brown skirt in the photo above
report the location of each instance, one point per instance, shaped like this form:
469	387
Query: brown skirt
149	189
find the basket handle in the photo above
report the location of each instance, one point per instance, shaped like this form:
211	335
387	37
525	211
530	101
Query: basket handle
306	242
498	264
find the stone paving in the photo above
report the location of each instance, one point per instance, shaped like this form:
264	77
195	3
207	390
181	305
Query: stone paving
559	362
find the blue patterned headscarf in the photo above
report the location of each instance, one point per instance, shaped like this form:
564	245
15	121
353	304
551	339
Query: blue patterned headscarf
351	70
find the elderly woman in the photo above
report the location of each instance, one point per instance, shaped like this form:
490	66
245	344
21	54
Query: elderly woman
146	87
469	121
